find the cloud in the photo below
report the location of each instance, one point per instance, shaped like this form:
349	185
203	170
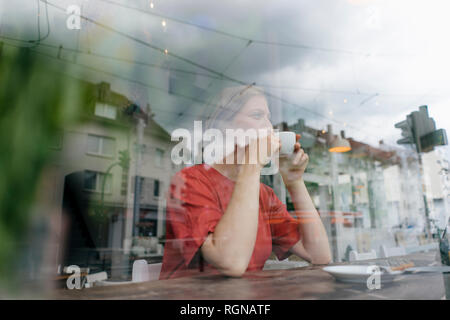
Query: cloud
349	50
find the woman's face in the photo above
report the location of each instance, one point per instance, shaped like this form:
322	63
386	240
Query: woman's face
254	114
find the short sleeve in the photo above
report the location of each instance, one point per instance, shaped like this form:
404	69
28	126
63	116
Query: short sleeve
284	228
192	213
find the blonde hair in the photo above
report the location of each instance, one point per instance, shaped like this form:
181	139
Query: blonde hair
229	102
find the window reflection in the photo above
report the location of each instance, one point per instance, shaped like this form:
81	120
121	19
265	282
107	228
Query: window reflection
88	150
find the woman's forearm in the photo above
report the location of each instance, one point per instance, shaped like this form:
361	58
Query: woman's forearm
314	237
231	245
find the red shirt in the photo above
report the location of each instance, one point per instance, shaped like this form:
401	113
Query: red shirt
198	197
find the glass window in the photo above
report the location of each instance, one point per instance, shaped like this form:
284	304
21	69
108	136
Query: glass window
98	145
93	144
108	146
156	188
93	181
105	111
90	181
159	157
140	138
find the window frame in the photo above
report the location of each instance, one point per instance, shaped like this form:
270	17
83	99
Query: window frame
156	182
100	146
159	157
103	113
98	187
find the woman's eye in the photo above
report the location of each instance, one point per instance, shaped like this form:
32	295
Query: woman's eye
257	115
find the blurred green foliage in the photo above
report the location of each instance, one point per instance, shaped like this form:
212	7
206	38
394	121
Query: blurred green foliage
36	102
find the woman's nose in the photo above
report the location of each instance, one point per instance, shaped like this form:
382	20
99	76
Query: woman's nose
269	123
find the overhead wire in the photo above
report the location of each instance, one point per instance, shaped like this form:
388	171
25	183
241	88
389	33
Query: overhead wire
37	41
247	39
114	75
189	61
264	85
186	60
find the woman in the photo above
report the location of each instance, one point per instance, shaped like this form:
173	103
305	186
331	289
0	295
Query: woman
221	219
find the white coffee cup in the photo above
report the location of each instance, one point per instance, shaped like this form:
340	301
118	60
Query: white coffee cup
287	140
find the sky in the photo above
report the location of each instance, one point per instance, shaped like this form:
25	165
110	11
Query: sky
360	65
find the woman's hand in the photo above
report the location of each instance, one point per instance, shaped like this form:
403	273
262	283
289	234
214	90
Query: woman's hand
293	166
255	153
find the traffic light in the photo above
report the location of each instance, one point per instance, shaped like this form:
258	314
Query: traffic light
422	123
419	129
124	159
435	138
407	132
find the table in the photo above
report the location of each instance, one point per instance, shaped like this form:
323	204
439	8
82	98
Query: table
309	282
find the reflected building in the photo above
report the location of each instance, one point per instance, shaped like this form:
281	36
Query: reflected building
369	196
98	162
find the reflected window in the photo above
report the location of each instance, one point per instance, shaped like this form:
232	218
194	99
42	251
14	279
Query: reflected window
101	146
105	111
156	188
93	181
159	157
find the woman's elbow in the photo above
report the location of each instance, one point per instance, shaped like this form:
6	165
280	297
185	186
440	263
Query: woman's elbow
228	265
322	259
235	270
234	273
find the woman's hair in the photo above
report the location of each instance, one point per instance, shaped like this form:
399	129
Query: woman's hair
229	102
